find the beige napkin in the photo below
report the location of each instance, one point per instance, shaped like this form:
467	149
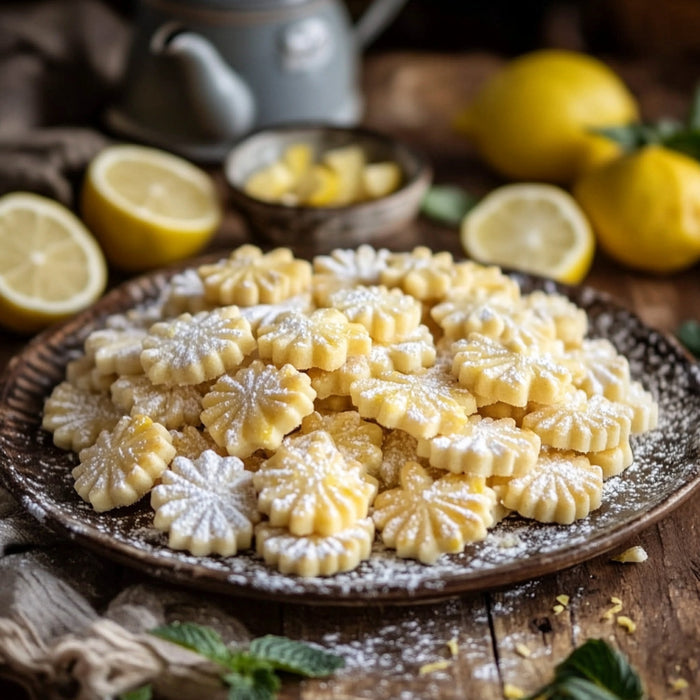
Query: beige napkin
68	629
60	60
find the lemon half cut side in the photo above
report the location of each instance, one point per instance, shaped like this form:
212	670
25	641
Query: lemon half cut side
50	265
148	208
533	227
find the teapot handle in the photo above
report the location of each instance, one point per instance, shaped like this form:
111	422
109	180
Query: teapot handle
375	19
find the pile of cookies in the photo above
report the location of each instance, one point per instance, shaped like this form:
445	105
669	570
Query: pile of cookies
309	408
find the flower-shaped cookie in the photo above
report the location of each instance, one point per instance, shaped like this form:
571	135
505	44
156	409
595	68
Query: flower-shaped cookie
123	464
308	487
337	382
358	440
116	351
265	314
257	407
561	488
346	268
423	519
495	370
83	374
423	404
184	293
484	447
193	349
206	505
411	354
613	461
388	315
570	321
76	417
645	411
422	273
173	406
581	423
315	555
190	442
605	371
250	277
324	339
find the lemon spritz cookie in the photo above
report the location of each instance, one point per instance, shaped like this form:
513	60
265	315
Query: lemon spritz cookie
408	355
484	447
116	351
122	465
206	505
581	423
172	405
423	518
562	487
324	339
308	487
496	369
344	268
250	277
315	555
388	315
423	404
193	349
76	416
357	439
255	408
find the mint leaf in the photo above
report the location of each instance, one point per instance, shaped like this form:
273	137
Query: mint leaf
597	662
145	692
251	679
447	204
689	334
295	657
594	671
203	640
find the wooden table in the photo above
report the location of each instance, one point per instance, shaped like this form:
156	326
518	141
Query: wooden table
413	96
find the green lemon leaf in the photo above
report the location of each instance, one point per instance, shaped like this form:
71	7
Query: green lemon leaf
447	204
689	334
597	662
262	684
203	640
145	692
694	113
580	689
295	657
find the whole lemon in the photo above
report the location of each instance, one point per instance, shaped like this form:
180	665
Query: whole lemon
532	120
645	208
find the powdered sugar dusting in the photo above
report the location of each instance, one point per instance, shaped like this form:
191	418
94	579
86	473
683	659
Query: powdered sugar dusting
666	468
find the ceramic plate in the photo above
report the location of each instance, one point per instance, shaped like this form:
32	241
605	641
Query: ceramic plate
665	472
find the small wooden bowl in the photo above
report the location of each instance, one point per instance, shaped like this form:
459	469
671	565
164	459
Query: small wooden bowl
324	228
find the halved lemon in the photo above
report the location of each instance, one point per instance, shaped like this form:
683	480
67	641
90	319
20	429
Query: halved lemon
148	208
50	265
532	227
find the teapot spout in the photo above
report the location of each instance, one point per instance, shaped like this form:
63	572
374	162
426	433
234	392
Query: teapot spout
223	102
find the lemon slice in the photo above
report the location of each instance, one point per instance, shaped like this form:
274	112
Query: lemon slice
50	265
148	208
532	227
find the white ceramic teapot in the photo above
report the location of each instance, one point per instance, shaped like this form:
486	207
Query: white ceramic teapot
203	72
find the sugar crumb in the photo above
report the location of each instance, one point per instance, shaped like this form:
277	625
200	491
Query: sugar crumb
633	555
453	646
440	665
558	609
563	599
678	685
512	692
627	623
523	650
